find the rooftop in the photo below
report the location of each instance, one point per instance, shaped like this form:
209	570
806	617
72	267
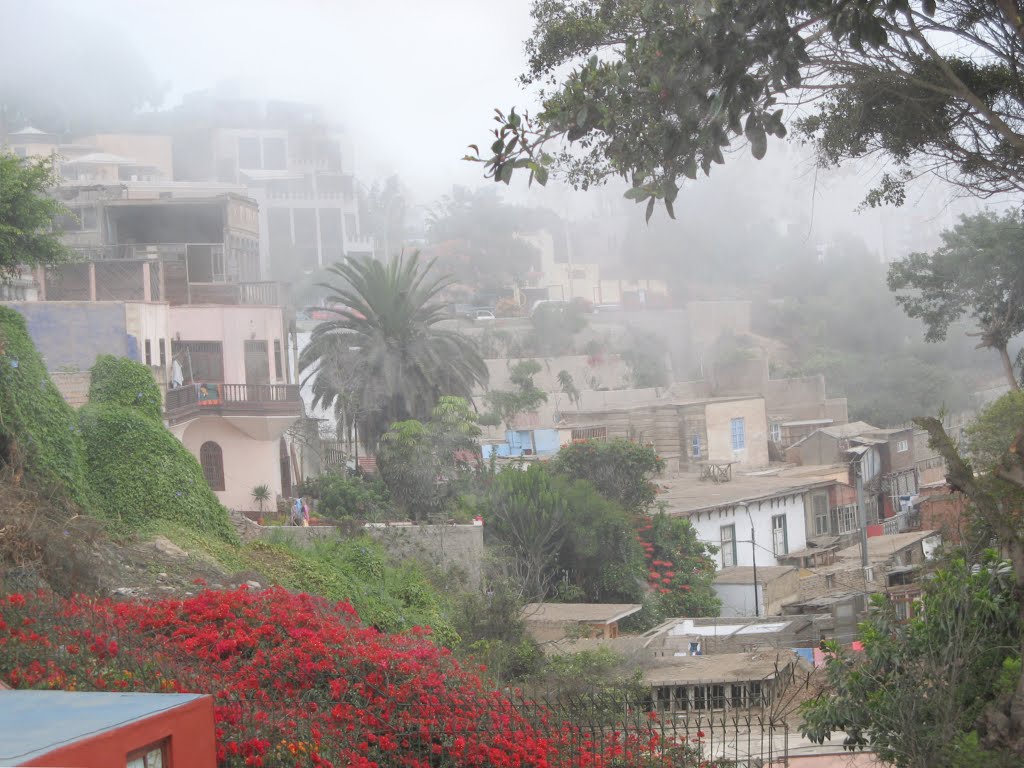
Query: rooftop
744	574
880	550
723	668
584	613
852	429
34	723
685	493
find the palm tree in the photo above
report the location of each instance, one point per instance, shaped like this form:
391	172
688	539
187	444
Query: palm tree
384	355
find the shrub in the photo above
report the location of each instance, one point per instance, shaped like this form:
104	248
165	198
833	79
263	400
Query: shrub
143	474
120	381
342	495
38	429
298	680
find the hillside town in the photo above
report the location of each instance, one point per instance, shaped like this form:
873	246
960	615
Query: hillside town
307	463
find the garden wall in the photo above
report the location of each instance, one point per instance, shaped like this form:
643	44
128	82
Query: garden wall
446	546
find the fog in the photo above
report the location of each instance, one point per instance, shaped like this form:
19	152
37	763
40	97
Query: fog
413	84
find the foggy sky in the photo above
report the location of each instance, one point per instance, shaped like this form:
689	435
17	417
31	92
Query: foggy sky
415	82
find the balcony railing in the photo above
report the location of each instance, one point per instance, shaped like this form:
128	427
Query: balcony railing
192	400
904	521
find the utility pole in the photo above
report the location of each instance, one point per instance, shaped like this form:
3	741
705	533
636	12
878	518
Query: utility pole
753	552
862	519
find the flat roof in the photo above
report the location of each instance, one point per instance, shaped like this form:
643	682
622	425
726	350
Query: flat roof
589	613
33	723
880	550
807	422
744	574
684	494
720	668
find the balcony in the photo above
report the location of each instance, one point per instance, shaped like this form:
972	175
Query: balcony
191	401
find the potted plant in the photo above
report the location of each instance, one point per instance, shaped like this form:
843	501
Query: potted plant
261	495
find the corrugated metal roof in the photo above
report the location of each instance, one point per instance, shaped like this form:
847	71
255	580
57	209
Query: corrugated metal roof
588	613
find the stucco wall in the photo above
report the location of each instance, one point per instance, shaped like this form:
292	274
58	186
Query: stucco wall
718	417
233	325
446	546
70	334
708	525
247	462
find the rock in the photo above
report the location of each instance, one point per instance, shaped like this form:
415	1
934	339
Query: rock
161	575
165	546
253	584
125	591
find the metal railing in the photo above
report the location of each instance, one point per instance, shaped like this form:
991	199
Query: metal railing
194	399
904	521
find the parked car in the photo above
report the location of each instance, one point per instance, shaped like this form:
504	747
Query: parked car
483	314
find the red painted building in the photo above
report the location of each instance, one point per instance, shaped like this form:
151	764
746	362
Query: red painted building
106	730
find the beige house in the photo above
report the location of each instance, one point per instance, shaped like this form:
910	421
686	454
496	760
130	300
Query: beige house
549	622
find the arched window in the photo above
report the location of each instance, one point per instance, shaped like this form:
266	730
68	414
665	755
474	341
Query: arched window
211	457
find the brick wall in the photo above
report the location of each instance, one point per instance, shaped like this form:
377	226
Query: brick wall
73	387
945	511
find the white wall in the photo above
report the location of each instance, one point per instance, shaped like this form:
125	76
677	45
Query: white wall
738	599
708	526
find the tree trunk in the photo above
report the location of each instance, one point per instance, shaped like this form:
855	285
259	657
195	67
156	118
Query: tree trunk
1011	377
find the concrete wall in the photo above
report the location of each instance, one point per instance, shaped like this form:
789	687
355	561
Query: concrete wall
446	546
708	320
147	149
70	335
609	371
233	325
719	431
247	462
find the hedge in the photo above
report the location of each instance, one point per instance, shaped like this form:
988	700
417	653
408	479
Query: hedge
120	381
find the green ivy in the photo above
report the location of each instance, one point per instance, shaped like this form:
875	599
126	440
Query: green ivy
38	428
120	381
142	474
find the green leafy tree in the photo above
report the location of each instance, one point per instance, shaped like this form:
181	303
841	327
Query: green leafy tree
645	353
485	251
995	429
27	213
506	404
553	327
567	385
340	495
620	470
919	690
528	517
978	270
389	319
681	569
654	91
420	462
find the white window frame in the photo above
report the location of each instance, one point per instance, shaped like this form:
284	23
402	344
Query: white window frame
780	547
775	432
738	433
695	449
728	548
902	446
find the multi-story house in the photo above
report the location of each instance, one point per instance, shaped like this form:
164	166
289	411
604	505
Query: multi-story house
169	275
291	160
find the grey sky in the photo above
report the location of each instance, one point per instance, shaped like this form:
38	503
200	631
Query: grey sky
415	82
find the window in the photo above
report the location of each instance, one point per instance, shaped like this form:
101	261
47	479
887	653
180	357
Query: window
278	368
211	458
153	756
780	543
902	446
775	432
200	361
718	697
728	545
274	155
695	445
163	353
846	518
830	580
149	352
819	503
739	434
249	153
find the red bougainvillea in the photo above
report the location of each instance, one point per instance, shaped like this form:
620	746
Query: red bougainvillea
299	681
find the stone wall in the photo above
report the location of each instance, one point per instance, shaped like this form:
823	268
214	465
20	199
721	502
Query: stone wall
73	387
446	546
